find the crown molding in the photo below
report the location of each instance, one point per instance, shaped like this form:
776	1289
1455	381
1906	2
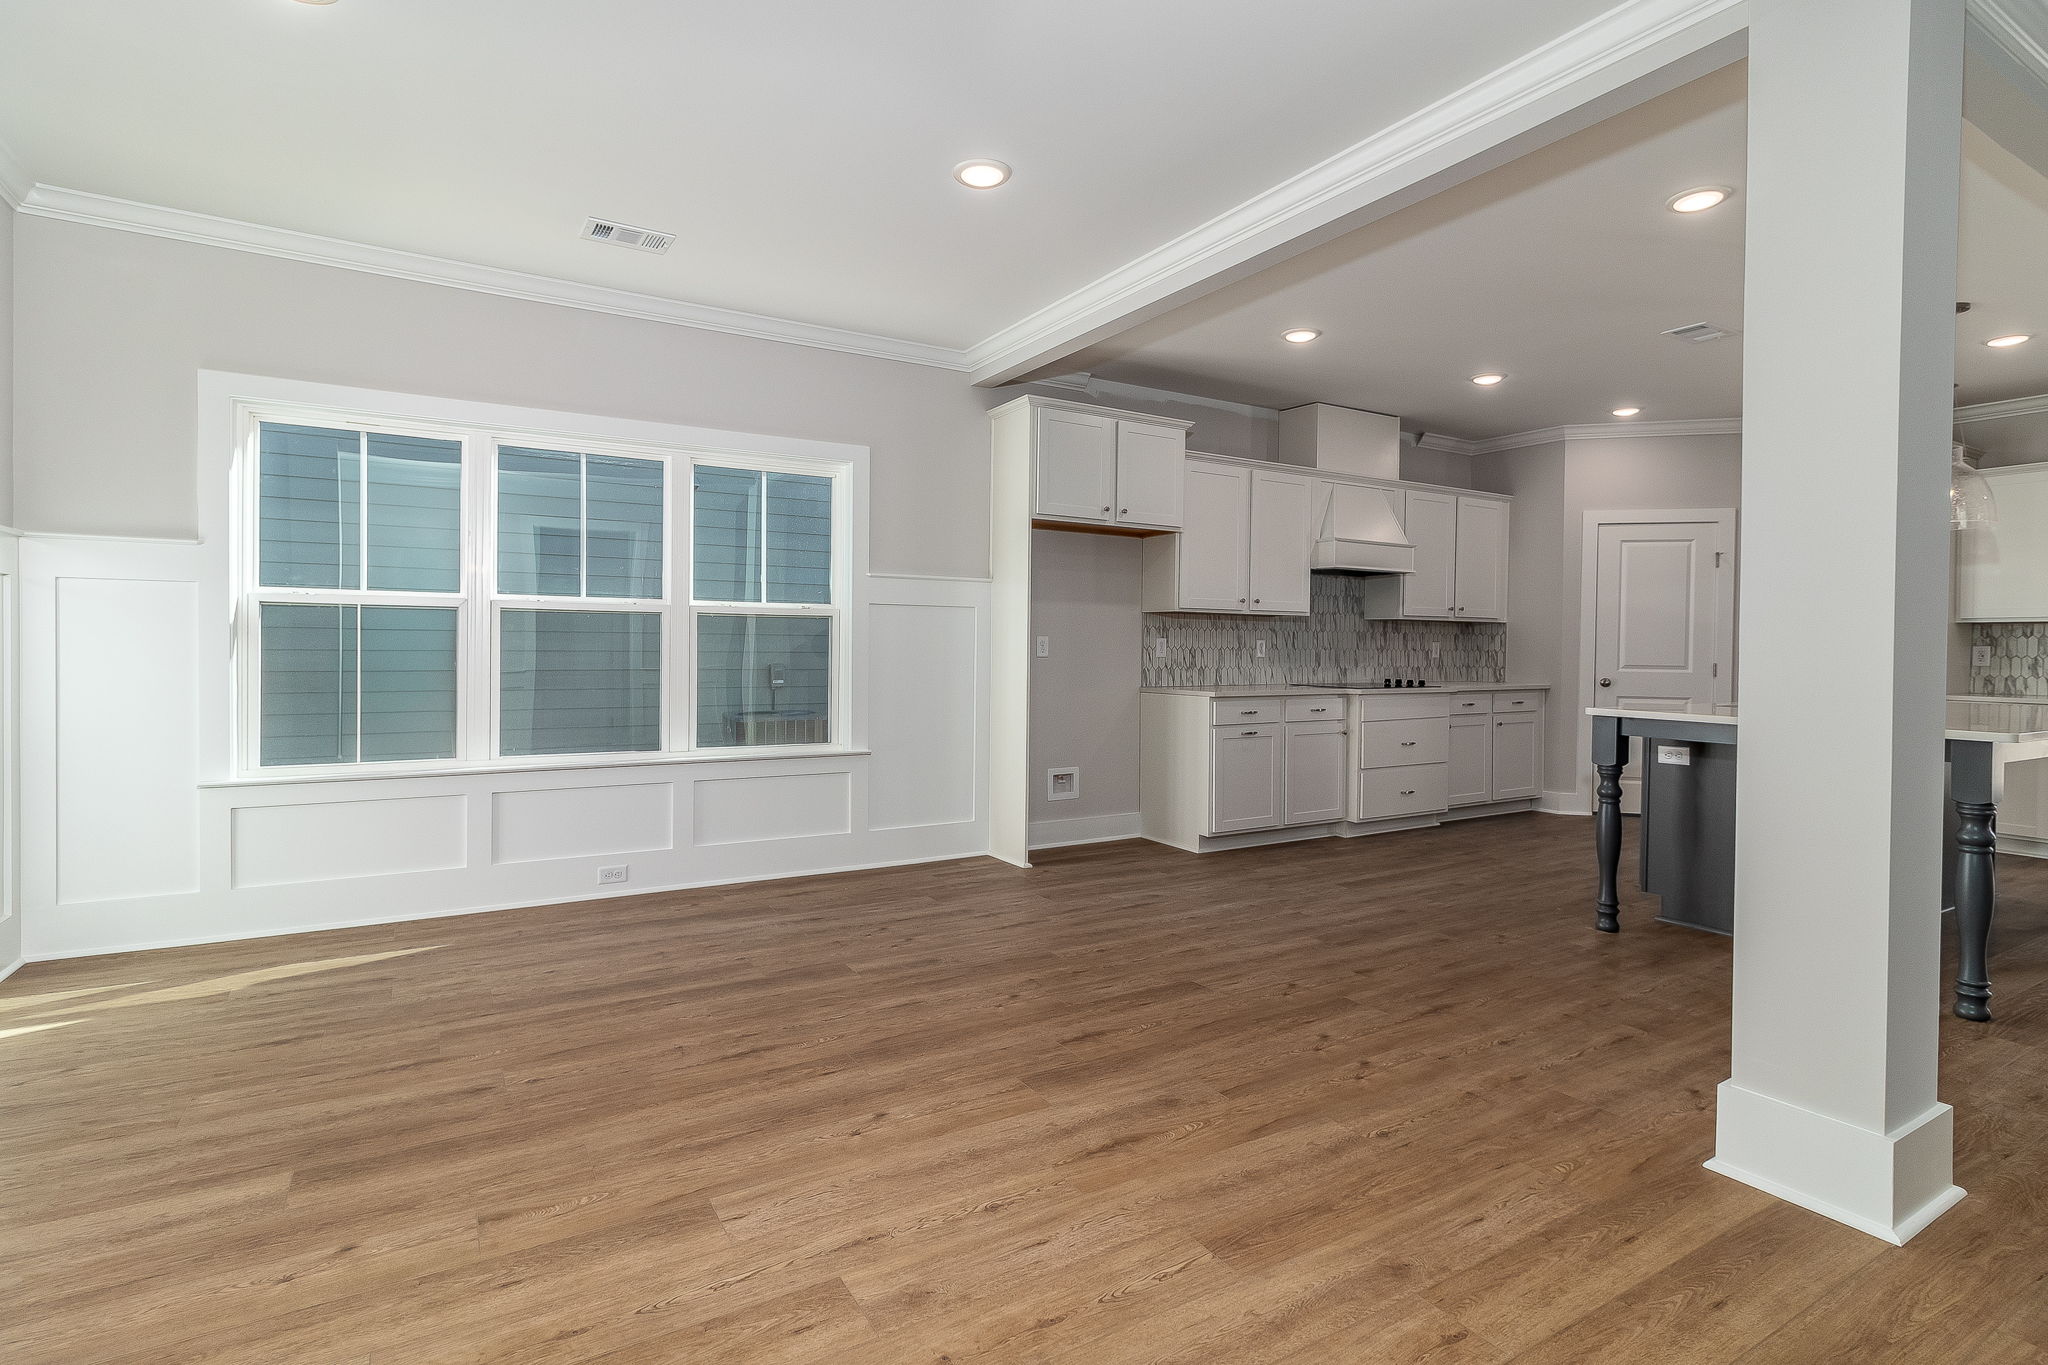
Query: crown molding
1654	44
1112	388
14	182
2016	30
2009	407
1582	431
97	210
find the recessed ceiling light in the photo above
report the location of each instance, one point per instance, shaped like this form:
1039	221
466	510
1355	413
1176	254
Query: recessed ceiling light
1300	336
1626	412
1696	200
316	2
1487	381
2017	338
981	174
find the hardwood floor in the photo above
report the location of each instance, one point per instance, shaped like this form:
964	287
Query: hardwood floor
1376	1100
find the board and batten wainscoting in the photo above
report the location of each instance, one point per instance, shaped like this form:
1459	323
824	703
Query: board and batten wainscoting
136	833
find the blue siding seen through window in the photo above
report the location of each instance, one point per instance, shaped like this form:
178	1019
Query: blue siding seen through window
579	682
763	680
415	499
573	525
346	684
309	506
761	537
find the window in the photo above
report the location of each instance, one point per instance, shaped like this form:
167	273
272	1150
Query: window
427	596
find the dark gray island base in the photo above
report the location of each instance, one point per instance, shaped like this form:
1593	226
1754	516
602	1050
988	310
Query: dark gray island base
1686	849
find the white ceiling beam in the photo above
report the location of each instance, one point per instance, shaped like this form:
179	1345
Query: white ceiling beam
1629	55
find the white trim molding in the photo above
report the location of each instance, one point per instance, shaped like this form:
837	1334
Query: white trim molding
2015	34
2008	407
98	210
1086	829
1629	54
15	184
1583	431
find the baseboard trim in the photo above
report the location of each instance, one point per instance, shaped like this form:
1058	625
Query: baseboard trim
1483	809
329	926
1087	829
1898	1234
1562	803
2023	846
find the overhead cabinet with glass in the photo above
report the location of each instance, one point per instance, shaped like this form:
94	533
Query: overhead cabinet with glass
1244	545
1096	467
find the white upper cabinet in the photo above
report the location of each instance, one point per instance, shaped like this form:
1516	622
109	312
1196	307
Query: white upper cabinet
1074	466
1280	543
1243	546
1093	467
1480	579
1148	474
2002	569
1431	522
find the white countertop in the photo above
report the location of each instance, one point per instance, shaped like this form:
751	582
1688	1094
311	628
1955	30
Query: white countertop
1990	720
1296	689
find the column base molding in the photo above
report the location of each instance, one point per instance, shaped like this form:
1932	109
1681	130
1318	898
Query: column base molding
1890	1185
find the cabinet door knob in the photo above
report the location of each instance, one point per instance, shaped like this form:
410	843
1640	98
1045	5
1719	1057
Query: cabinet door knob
1240	601
1121	511
1257	600
1105	511
1607	682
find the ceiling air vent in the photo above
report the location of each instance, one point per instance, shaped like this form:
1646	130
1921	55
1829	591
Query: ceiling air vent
618	234
1697	332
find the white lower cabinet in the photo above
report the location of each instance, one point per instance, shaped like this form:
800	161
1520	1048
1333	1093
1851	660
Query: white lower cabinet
1471	764
1246	764
1317	761
1517	755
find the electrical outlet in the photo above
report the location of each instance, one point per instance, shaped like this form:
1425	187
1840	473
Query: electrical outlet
1259	650
1159	646
1062	784
611	876
1980	656
1436	649
1045	646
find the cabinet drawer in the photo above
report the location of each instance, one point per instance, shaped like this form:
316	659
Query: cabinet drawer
1471	704
1399	743
1517	701
1384	793
1394	705
1248	710
1315	708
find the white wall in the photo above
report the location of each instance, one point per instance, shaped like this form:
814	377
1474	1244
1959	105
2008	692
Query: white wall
1085	596
8	220
1554	486
10	921
124	651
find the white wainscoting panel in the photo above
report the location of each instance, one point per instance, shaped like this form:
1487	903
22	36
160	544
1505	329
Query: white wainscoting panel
582	822
127	814
290	845
750	810
134	836
922	724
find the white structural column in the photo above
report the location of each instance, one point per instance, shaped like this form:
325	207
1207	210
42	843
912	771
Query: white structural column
1849	354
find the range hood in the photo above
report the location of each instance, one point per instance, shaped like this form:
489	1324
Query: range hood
1358	531
1357	526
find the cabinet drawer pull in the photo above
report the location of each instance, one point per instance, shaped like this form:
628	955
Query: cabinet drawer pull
1407	743
1247	713
1409	792
1243	733
1317	710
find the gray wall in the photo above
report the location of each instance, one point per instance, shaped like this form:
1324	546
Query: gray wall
122	322
1554	486
1084	696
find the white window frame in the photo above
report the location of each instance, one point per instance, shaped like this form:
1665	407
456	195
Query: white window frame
481	430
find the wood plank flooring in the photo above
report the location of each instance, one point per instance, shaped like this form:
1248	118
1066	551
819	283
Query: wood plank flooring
1356	1101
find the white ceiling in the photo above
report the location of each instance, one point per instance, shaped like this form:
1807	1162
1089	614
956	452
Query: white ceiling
800	151
1561	270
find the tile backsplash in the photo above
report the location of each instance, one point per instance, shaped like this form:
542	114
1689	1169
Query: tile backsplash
1334	643
2019	660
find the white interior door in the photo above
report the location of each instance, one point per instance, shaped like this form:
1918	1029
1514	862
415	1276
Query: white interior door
1657	630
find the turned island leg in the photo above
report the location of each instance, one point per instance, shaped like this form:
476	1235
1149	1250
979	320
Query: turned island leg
1976	875
1610	756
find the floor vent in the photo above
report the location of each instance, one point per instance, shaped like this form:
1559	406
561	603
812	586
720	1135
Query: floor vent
618	234
1697	332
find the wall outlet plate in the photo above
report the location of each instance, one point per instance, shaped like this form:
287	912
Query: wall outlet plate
1062	784
1159	646
1679	754
1045	646
1259	650
1980	656
611	876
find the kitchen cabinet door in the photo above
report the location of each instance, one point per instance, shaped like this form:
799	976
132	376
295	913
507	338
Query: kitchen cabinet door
1471	774
1480	588
1318	761
1279	574
2001	571
1074	466
1148	474
1431	521
1517	757
1244	773
1215	525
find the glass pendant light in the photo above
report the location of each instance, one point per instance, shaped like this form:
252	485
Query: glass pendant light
1969	494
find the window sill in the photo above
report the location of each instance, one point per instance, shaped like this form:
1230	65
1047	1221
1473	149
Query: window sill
584	764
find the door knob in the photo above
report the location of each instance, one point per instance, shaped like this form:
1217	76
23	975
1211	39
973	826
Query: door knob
1607	682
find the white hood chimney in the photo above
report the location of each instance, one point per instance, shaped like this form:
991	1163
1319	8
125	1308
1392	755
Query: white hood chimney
1358	526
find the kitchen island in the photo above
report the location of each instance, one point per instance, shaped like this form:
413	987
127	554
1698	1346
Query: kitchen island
1981	736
